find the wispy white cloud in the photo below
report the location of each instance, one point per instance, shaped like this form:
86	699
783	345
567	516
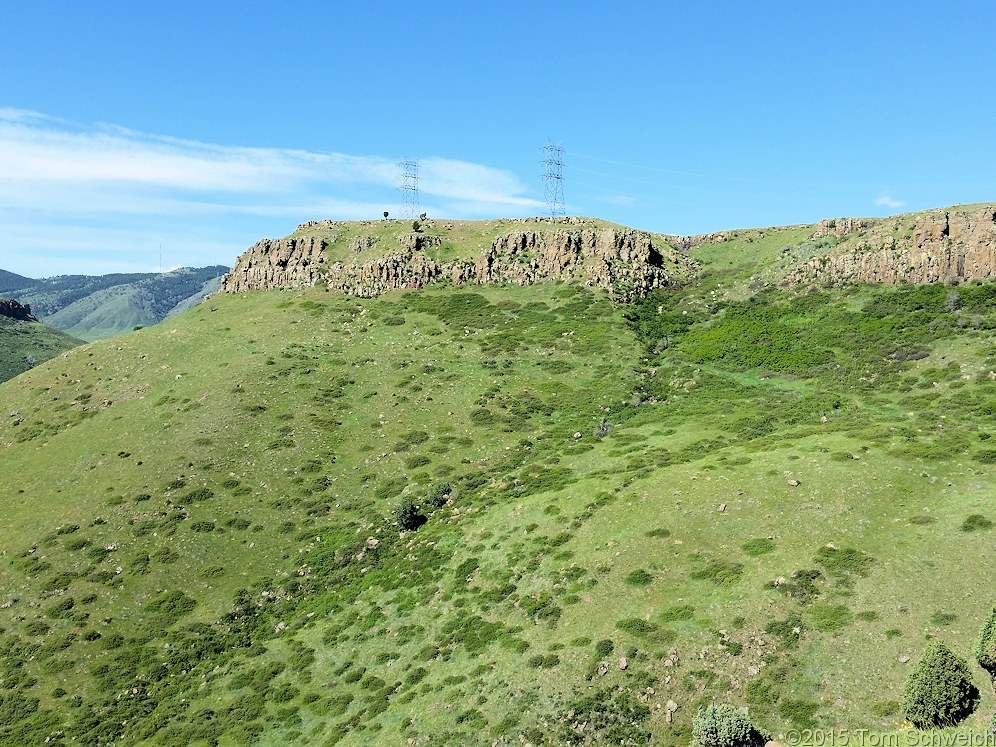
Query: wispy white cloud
886	200
91	183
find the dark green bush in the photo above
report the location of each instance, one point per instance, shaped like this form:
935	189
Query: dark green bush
171	605
975	523
720	572
758	546
438	494
724	726
939	691
984	650
844	561
638	577
408	516
677	613
604	647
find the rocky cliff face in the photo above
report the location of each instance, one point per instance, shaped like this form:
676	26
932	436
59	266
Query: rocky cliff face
626	263
936	246
276	263
15	310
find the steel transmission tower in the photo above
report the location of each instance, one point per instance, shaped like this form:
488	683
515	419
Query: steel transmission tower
409	188
553	179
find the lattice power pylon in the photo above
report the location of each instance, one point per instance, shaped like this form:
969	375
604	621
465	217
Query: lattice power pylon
409	188
553	179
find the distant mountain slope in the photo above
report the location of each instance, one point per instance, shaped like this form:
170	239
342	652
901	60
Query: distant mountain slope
10	281
26	342
95	307
209	287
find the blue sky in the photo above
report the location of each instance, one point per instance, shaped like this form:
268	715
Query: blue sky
204	126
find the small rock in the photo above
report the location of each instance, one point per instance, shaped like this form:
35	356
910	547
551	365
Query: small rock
623	664
904	660
603	669
722	508
669	710
794	483
577	434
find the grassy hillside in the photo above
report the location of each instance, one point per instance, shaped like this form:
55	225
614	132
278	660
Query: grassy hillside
26	344
724	493
95	307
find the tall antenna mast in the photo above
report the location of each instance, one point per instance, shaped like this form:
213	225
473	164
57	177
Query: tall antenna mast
409	188
553	179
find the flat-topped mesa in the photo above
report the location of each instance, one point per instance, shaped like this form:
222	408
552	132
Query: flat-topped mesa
954	245
14	310
624	262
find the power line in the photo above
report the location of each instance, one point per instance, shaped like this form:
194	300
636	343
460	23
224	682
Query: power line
553	179
409	188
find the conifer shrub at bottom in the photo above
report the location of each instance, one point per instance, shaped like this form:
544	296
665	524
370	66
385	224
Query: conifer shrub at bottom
939	691
984	650
724	726
408	516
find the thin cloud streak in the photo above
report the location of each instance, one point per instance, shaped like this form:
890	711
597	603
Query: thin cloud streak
95	189
886	200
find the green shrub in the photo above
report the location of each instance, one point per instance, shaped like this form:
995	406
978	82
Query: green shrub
408	516
638	577
723	726
939	691
943	618
438	495
758	546
171	605
984	650
975	523
677	613
720	572
604	647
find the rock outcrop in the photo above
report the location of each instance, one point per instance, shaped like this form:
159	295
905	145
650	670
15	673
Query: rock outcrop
277	263
932	247
626	263
14	310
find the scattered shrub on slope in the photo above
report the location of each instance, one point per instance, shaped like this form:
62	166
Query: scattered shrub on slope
939	691
724	726
984	650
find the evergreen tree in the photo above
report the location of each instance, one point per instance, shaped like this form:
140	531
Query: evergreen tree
724	726
984	650
939	691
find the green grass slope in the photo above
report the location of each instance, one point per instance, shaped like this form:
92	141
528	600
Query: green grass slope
24	345
200	538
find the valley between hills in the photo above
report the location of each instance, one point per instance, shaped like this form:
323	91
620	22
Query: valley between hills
547	481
